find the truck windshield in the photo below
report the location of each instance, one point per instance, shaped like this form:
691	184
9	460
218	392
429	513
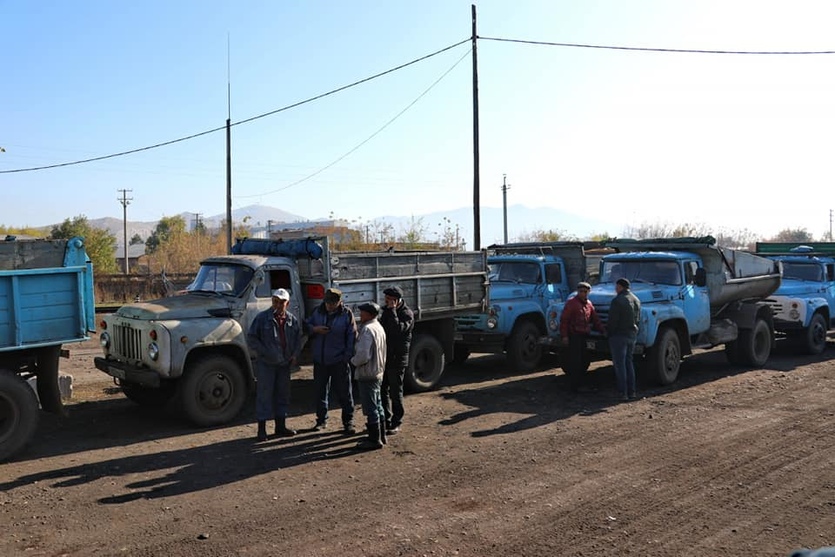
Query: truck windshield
222	278
515	271
655	272
802	271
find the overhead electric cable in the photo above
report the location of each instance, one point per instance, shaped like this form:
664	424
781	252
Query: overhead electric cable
648	49
366	140
282	109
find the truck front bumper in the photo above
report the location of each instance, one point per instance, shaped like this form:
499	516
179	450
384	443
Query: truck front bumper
128	373
480	341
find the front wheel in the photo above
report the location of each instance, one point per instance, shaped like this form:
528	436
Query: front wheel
426	364
19	413
754	344
664	359
523	349
213	391
815	338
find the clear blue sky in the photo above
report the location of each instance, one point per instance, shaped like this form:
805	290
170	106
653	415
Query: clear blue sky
733	141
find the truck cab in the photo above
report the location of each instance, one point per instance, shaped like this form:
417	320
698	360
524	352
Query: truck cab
804	305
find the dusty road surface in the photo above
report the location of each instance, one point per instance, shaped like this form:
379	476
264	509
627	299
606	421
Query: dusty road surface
726	462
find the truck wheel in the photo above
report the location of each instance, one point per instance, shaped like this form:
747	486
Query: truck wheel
664	359
523	349
732	352
460	353
213	391
149	396
18	413
426	364
815	338
755	344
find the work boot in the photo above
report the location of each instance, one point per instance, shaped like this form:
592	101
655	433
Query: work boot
281	429
262	430
371	442
320	425
383	436
349	429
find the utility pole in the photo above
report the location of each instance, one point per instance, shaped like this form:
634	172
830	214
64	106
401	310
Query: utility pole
505	187
476	174
197	221
125	201
228	150
830	225
269	228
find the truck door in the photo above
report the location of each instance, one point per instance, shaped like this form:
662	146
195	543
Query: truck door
555	290
830	290
271	278
695	299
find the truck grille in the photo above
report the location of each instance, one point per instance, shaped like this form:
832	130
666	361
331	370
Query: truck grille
776	307
127	342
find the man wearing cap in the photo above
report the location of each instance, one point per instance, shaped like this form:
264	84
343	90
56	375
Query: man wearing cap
334	331
370	362
624	317
576	323
275	340
398	321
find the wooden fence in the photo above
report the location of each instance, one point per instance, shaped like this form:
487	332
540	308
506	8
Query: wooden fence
120	289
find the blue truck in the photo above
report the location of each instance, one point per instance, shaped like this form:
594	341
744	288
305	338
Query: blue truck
527	281
804	305
694	295
46	301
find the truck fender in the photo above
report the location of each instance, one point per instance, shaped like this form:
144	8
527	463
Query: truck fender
746	314
658	316
49	392
815	305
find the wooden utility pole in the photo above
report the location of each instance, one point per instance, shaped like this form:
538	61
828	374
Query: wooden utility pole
476	175
125	201
228	152
505	187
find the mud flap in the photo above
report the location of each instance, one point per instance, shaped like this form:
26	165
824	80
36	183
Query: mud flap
47	372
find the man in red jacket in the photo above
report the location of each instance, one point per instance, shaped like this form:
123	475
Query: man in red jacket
577	321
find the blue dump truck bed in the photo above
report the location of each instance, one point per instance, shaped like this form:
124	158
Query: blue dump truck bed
46	300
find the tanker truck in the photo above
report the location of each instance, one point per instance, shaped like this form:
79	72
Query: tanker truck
46	300
694	294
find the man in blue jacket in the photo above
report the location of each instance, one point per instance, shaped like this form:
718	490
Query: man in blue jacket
333	331
274	338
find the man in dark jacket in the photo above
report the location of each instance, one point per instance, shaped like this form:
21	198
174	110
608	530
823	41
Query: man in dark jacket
576	322
398	321
333	331
275	339
624	317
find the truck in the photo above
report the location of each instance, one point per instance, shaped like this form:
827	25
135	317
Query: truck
804	305
527	280
694	295
46	301
190	350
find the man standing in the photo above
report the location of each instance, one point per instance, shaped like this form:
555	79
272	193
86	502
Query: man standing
334	332
275	338
576	322
624	317
370	362
398	321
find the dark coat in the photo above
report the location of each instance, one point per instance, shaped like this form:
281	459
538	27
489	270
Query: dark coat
337	346
398	323
265	344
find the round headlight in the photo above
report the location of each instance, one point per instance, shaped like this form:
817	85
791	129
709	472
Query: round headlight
104	339
492	323
153	351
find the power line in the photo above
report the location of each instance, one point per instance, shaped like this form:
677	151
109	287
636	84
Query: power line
366	140
213	130
648	49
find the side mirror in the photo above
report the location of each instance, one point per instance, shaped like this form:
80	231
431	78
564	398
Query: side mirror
701	277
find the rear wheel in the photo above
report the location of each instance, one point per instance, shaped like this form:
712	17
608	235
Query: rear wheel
754	344
213	391
426	364
664	359
815	338
19	413
523	349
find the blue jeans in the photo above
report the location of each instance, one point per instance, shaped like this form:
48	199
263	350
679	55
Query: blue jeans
337	376
372	405
272	391
623	347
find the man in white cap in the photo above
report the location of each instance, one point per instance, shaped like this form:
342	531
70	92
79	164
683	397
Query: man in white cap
275	339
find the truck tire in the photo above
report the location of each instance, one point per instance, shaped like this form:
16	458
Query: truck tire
19	413
732	353
148	396
815	337
754	345
460	353
664	359
523	349
426	364
213	391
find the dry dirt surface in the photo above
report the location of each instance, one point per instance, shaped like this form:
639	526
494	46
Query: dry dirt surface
725	462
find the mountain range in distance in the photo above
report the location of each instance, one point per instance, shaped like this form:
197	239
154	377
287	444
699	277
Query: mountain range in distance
521	220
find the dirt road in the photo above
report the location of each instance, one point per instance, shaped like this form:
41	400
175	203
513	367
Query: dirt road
726	462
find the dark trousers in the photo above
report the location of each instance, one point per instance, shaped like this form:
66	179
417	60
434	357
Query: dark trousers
392	392
272	391
337	376
577	361
372	406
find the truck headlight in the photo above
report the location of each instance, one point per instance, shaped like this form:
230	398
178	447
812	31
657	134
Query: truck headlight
104	339
794	314
153	351
492	322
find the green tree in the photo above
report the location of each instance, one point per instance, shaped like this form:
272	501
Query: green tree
167	228
99	243
137	239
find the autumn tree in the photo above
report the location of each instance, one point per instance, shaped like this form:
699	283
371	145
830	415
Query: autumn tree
99	243
166	229
543	235
793	235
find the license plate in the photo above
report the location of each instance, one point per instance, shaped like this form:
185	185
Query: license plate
118	373
590	344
